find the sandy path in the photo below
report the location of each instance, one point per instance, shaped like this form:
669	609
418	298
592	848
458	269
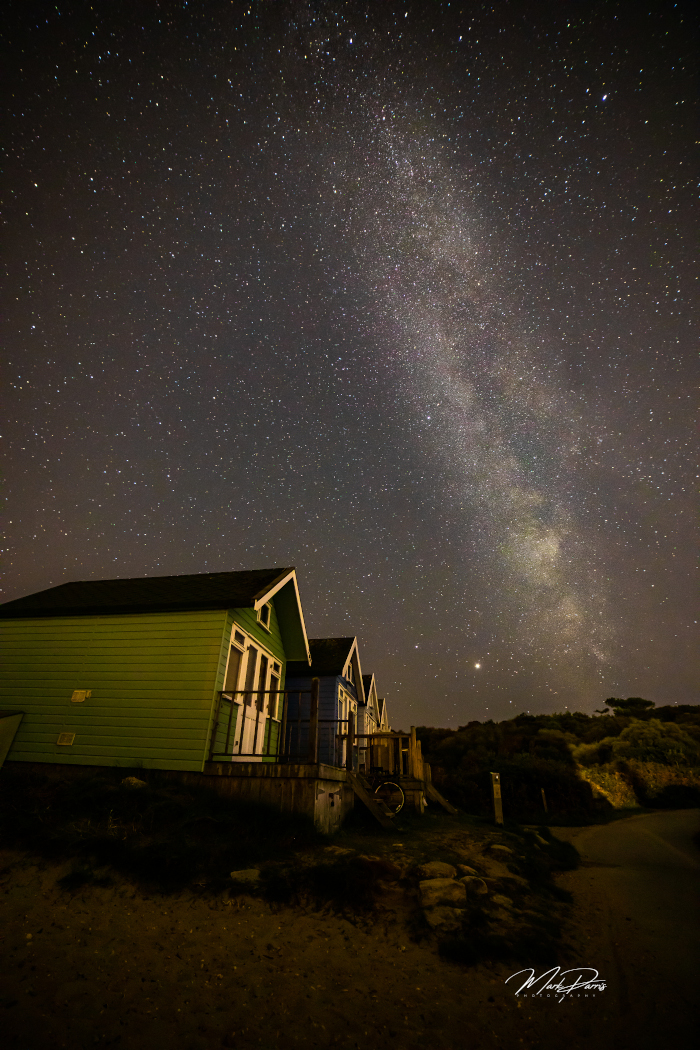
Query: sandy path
112	967
637	912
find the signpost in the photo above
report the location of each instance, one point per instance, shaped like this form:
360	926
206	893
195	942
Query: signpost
497	801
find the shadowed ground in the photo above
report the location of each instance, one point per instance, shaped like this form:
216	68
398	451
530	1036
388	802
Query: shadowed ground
116	966
638	909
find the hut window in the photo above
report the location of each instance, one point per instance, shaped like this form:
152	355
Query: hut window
234	663
261	681
265	615
274	699
250	674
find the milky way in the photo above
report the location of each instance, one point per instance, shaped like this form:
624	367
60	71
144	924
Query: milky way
398	294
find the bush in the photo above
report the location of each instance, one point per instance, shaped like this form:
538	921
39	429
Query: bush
165	834
642	741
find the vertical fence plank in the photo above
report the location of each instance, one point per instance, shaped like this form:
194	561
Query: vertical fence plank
412	749
282	748
313	722
351	741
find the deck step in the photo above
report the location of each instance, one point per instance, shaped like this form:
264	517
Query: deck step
435	796
377	808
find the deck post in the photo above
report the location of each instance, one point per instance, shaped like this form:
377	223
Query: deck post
412	750
214	728
282	742
351	741
313	722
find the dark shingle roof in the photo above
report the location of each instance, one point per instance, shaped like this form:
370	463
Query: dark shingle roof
328	656
209	590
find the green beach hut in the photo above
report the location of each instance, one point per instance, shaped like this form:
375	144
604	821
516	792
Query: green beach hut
131	672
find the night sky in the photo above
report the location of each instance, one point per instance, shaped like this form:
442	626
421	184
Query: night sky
399	294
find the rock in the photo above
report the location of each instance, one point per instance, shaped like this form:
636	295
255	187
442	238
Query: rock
338	851
504	902
435	869
381	868
133	782
444	919
246	875
518	879
473	884
505	850
441	891
464	869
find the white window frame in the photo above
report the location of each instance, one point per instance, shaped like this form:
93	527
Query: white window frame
265	626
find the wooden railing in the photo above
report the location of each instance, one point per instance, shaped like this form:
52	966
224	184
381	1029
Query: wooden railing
293	738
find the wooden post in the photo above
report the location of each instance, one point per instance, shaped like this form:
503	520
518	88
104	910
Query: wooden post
396	756
497	801
544	800
214	728
230	719
351	741
419	760
313	722
412	749
282	742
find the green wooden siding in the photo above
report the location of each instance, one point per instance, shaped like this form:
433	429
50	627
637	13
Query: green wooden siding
272	734
153	678
226	711
271	640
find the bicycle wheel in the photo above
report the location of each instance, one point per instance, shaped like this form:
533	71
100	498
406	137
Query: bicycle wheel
391	795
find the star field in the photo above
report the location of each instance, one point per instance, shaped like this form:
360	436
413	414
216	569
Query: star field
399	294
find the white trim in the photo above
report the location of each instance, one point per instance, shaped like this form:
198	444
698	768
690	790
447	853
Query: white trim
358	683
265	626
267	595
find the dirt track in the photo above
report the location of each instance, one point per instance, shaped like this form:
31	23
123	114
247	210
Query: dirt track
637	911
111	967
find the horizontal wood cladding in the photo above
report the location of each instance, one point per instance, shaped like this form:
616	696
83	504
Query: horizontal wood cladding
71	757
271	640
152	676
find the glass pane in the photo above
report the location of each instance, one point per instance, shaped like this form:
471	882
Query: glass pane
262	681
234	664
274	686
250	673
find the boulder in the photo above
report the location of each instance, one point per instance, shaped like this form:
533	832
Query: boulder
435	869
441	891
444	919
503	902
133	782
473	884
246	875
464	869
501	850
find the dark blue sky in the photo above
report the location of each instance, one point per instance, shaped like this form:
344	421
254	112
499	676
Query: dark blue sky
397	294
